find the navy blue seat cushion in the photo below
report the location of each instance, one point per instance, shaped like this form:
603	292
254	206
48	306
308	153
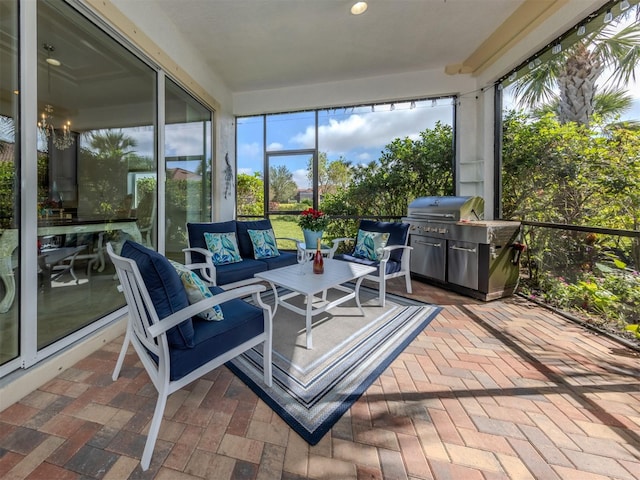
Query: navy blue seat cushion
242	322
392	265
398	234
283	260
233	272
244	240
165	290
196	232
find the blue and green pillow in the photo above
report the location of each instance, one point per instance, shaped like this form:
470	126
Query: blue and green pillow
223	246
197	291
369	245
264	243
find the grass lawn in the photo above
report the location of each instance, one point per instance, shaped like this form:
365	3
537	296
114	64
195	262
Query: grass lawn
287	227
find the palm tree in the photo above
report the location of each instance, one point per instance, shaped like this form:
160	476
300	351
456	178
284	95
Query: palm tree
568	81
103	170
112	144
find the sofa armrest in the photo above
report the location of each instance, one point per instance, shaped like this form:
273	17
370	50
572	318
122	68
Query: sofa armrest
206	270
337	242
386	253
295	241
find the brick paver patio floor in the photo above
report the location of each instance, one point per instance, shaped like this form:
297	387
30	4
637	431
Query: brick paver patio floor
498	390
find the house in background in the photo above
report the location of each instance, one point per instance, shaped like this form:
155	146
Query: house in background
304	194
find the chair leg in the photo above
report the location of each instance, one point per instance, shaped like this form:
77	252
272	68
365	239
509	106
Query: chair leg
123	353
407	279
382	296
267	359
73	274
154	429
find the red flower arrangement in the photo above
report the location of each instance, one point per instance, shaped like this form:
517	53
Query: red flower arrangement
315	220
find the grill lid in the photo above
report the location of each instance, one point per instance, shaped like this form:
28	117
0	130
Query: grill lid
447	208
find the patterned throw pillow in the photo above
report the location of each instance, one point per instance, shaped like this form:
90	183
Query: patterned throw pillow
369	245
224	247
196	291
264	243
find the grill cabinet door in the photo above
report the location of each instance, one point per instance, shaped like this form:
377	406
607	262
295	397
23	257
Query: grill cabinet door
463	264
428	256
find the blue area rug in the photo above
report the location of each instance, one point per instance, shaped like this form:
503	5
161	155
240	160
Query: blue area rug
312	389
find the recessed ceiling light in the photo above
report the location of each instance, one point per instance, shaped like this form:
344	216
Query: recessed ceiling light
50	60
359	8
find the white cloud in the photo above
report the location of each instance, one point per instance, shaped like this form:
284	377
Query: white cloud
275	146
247	171
145	143
364	158
183	139
300	177
360	131
250	150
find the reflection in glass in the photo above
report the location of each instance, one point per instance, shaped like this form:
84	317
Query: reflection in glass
100	187
9	193
188	166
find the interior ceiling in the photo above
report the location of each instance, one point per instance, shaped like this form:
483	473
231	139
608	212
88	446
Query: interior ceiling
260	44
265	44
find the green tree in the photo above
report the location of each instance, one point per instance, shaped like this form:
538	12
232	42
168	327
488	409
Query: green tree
406	169
250	194
333	176
620	183
282	188
103	171
551	170
571	174
569	80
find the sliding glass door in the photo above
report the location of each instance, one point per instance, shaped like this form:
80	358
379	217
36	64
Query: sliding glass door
96	132
9	184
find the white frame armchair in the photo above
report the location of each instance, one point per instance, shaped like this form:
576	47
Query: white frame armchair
382	276
148	335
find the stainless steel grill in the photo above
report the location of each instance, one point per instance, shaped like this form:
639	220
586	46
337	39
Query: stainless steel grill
453	246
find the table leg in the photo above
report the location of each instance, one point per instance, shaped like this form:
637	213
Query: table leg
308	318
275	299
357	292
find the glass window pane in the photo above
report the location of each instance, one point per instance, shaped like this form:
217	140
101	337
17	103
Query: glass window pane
291	131
289	182
188	166
250	164
9	193
96	169
359	134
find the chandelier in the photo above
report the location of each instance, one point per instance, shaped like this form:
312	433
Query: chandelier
61	138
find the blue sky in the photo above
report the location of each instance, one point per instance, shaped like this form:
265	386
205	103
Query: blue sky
357	134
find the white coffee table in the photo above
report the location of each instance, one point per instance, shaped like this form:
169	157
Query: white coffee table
308	284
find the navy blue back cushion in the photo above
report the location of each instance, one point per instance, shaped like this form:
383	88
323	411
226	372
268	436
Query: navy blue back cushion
244	240
165	289
196	232
398	234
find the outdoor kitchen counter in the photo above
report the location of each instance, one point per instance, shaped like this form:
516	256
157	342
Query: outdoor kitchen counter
452	247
